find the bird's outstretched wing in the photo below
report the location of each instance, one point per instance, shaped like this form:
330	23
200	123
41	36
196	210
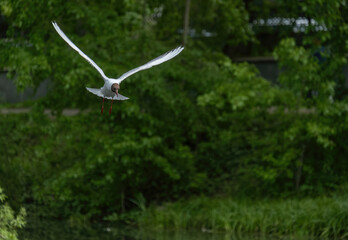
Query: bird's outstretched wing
61	33
165	57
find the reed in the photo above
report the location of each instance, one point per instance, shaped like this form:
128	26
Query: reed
321	217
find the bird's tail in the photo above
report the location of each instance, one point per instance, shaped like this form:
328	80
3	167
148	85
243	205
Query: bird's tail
98	92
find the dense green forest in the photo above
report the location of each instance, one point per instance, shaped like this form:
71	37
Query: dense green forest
197	127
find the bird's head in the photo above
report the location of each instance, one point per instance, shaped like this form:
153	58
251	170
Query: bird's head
114	88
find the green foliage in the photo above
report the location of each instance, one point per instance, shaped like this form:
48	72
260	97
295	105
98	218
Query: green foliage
314	90
116	165
320	217
199	124
9	222
246	127
221	20
141	148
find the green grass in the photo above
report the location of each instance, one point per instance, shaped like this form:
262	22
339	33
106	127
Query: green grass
321	217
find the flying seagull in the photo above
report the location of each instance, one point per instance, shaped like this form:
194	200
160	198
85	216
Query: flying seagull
112	85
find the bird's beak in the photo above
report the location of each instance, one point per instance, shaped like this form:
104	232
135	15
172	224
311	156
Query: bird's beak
117	92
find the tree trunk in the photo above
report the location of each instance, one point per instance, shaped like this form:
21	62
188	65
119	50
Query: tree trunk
123	207
299	169
186	22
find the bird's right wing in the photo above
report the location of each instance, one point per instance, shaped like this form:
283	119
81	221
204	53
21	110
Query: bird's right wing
61	33
165	57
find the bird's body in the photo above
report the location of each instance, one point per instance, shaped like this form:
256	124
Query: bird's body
106	92
112	85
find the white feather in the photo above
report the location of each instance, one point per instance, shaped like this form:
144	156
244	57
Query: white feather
61	33
161	59
99	93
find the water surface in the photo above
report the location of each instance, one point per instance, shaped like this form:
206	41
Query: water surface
60	230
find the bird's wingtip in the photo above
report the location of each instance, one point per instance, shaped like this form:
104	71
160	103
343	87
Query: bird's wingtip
181	48
54	23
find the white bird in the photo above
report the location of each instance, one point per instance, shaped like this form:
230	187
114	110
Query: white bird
112	85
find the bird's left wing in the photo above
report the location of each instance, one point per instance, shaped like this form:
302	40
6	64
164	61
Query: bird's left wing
165	57
61	33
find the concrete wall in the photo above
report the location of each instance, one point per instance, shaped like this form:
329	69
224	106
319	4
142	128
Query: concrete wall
9	94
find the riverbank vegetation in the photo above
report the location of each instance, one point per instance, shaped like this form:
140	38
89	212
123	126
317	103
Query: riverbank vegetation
324	217
197	127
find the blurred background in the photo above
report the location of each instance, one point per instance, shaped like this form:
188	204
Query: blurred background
246	130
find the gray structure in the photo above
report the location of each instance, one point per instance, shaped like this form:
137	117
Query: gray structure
9	93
